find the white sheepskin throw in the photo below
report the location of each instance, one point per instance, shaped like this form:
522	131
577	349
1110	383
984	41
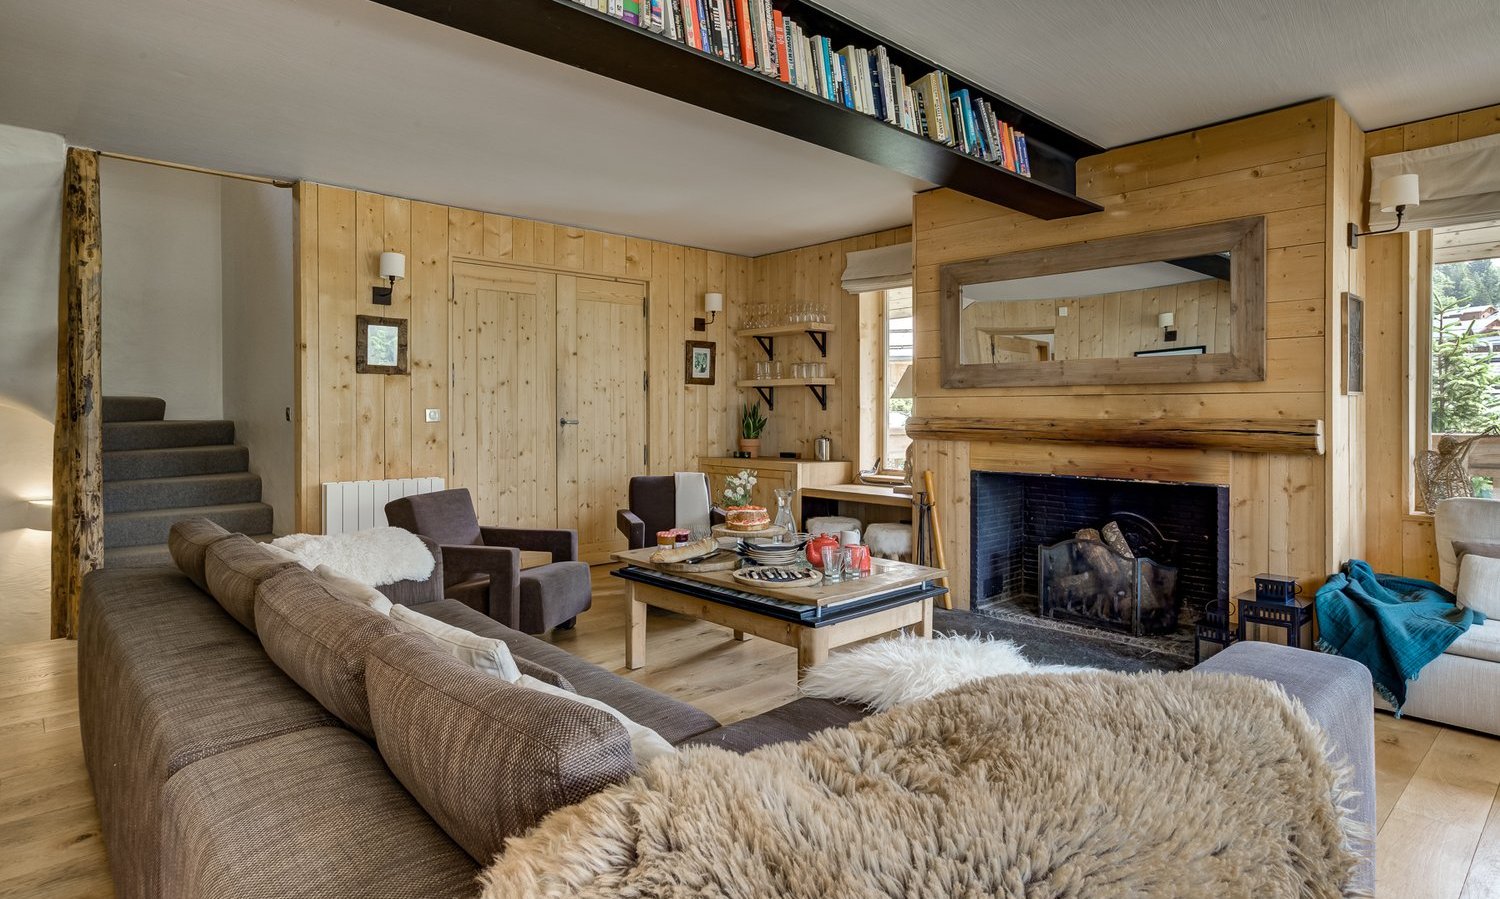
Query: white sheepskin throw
1059	786
887	673
377	556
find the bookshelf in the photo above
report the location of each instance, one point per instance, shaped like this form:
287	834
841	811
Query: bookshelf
766	387
817	332
575	35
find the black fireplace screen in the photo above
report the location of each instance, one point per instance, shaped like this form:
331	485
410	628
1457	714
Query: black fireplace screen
1119	580
1015	515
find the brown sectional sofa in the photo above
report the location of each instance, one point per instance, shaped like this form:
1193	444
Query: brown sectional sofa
218	774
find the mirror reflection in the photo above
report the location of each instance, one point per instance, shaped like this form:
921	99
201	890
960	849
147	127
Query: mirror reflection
1169	307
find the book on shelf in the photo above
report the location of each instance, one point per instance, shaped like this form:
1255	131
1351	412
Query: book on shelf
756	35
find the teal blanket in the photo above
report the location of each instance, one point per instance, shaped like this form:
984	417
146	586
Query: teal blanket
1392	625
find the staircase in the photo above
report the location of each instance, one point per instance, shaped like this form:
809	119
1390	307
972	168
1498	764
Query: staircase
158	472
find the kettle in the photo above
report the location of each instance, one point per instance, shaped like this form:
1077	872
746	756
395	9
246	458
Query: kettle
823	449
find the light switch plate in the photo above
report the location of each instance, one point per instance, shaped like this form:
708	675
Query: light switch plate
434	415
1063	311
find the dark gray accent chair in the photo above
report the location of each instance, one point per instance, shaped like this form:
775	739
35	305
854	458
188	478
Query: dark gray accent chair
482	565
653	507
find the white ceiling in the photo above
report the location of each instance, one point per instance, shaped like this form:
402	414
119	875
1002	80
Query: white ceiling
349	92
1120	71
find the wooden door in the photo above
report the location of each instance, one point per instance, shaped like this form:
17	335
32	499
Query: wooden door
502	423
601	385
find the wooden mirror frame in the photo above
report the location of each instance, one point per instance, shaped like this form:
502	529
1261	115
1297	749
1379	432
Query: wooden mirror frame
1244	239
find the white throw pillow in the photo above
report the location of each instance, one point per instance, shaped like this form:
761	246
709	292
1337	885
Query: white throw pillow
351	589
1479	584
646	743
484	654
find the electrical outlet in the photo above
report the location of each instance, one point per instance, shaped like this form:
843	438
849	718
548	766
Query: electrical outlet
434	415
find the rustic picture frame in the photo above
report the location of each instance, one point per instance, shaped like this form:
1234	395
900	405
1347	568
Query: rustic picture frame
1354	343
700	363
380	346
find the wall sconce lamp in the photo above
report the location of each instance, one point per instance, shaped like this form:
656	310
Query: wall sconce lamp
713	304
1396	193
1167	321
393	268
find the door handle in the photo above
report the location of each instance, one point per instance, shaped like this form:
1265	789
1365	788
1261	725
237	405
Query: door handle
567	421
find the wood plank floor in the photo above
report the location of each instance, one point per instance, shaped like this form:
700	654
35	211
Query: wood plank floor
1439	812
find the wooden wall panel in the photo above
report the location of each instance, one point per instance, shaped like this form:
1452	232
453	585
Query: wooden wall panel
1398	540
374	426
1276	165
814	274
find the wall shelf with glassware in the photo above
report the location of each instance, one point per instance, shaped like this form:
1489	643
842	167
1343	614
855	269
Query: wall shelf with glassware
766	387
816	331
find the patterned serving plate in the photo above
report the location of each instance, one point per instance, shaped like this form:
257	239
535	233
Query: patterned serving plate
783	576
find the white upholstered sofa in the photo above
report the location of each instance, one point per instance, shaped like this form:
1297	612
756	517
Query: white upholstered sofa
1462	686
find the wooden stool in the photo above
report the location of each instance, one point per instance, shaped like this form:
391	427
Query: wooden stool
889	541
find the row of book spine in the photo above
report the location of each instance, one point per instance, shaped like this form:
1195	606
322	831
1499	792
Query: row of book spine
754	34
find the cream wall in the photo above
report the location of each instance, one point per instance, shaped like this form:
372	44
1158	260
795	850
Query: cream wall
31	170
162	307
258	365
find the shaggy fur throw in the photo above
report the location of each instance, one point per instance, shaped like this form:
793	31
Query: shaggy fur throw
375	556
1087	786
887	673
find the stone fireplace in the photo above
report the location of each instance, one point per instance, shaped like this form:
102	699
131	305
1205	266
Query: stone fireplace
1014	514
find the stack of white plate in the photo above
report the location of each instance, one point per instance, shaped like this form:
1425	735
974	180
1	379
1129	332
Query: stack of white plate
768	553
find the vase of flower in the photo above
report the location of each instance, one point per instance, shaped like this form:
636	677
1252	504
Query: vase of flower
737	489
751	424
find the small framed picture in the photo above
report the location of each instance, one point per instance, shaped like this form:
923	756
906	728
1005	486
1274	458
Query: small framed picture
380	346
1354	344
701	362
1175	351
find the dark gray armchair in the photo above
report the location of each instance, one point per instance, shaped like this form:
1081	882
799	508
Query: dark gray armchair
482	565
653	507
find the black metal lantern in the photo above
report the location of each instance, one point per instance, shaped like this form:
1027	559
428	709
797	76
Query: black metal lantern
1277	621
1213	632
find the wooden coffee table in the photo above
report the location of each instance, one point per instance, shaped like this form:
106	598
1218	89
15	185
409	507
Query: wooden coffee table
894	595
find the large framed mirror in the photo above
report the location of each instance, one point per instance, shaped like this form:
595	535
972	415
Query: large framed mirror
1169	307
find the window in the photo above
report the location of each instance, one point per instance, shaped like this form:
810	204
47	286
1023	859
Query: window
897	385
1464	353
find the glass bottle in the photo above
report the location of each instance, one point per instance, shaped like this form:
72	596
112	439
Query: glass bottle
783	517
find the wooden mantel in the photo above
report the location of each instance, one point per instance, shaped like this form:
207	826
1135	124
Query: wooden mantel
1254	435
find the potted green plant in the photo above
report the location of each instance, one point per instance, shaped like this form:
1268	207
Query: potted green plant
751	424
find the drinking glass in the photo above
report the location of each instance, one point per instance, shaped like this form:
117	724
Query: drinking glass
776	369
833	563
846	557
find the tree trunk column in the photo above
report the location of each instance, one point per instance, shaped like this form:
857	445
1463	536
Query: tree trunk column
77	460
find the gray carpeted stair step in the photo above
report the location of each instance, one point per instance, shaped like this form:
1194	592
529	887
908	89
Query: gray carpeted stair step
147	556
131	435
153	525
134	408
125	465
177	493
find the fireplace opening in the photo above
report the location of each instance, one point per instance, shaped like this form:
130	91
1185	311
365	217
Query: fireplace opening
1036	546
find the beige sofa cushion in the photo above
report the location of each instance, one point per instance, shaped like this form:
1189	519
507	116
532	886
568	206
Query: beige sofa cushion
233	569
1466	519
188	542
320	640
1480	642
487	759
484	654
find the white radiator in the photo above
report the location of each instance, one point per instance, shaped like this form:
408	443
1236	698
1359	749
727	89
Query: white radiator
356	505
